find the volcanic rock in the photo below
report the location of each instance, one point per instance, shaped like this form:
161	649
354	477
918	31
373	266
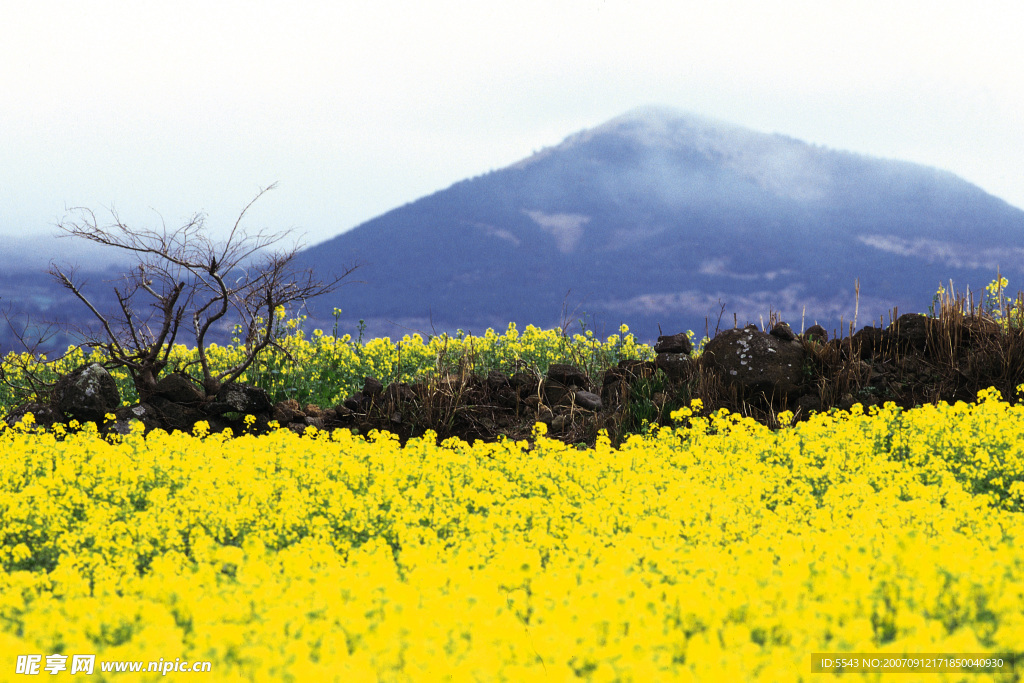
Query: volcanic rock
757	363
676	343
86	394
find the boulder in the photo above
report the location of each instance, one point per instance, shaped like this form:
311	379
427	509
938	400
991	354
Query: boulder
86	394
140	412
757	363
911	330
638	369
783	332
178	388
568	375
816	333
524	383
587	400
372	387
807	404
871	341
618	380
555	392
615	387
43	415
240	398
287	411
676	343
399	392
675	365
169	415
497	380
977	328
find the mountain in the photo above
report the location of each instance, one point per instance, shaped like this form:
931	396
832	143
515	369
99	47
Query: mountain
658	219
662	218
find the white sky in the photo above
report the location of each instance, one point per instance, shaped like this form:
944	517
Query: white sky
359	107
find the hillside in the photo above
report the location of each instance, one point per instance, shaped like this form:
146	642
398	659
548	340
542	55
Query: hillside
660	218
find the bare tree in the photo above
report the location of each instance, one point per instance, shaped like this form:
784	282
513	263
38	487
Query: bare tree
186	286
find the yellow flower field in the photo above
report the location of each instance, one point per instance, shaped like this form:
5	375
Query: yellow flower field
327	368
715	551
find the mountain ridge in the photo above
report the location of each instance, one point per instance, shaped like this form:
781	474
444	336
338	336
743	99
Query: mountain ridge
665	221
657	218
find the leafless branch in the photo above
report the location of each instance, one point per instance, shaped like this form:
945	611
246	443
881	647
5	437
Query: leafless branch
185	278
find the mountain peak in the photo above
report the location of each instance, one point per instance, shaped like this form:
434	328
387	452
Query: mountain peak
649	126
655	216
661	118
773	162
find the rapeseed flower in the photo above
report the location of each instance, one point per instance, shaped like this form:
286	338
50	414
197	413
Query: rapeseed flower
714	549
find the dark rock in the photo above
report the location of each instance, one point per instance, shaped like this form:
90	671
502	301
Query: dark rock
505	397
757	363
86	394
568	375
587	400
172	416
867	399
675	365
914	367
638	369
846	401
860	371
140	412
43	415
615	392
977	328
218	423
807	404
240	398
676	343
178	388
399	392
816	333
497	380
871	341
911	330
525	383
618	380
614	375
372	387
287	411
555	392
342	416
783	332
615	384
355	402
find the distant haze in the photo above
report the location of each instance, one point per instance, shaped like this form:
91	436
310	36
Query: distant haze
22	254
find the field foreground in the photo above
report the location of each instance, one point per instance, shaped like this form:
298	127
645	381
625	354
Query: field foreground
716	550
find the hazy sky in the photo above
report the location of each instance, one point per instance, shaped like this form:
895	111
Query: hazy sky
358	107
